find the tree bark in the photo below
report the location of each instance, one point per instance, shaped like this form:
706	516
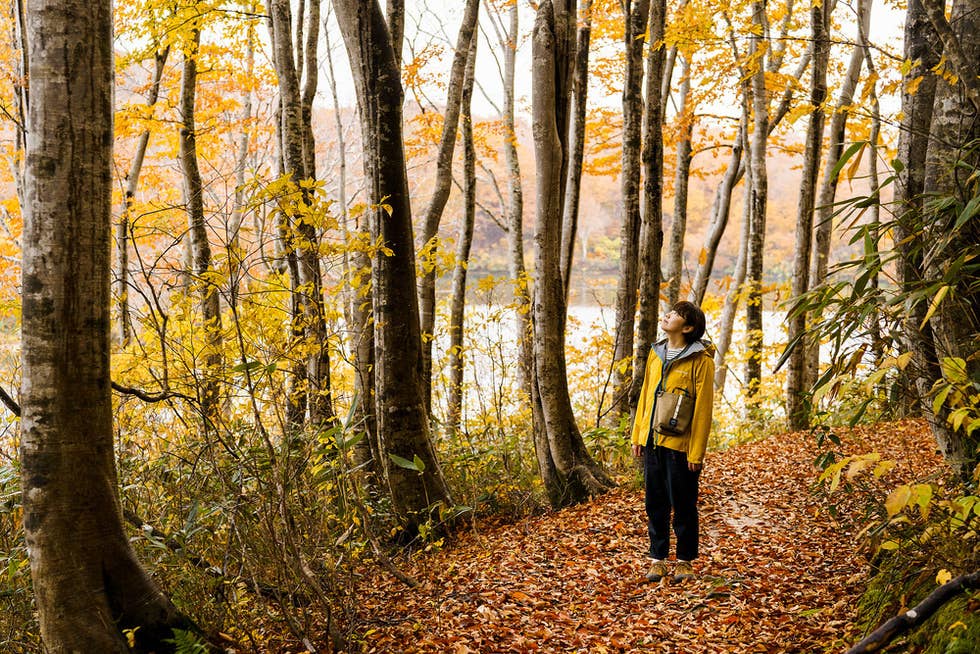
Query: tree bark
637	17
569	472
678	226
200	248
432	215
88	585
735	292
458	301
395	14
403	426
651	229
580	93
757	199
796	408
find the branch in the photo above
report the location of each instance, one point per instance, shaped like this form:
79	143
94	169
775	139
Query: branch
9	402
901	623
954	51
146	397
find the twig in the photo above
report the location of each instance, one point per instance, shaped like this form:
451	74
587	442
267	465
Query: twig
146	397
901	623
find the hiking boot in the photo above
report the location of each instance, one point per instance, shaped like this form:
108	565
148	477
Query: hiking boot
683	572
657	571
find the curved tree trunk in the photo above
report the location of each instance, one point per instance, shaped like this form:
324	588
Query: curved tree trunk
735	292
796	408
432	215
197	231
458	301
403	426
629	233
88	585
651	231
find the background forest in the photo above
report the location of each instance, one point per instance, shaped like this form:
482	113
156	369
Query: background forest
382	274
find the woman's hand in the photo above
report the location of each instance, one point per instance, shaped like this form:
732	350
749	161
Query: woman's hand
637	451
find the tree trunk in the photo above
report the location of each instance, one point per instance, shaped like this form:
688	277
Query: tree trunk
123	228
403	426
629	234
458	301
757	199
923	48
395	13
357	305
236	264
720	211
797	410
88	585
651	229
197	232
735	292
824	213
952	157
310	384
580	92
678	226
432	215
569	473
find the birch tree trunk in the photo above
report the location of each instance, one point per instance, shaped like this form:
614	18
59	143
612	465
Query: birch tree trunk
200	248
458	302
797	410
123	228
88	585
580	93
569	472
757	200
432	216
651	229
403	426
678	226
236	267
629	234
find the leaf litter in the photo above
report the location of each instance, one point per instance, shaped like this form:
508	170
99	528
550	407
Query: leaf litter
777	572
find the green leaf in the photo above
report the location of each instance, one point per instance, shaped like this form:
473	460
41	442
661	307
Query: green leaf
402	462
848	153
969	211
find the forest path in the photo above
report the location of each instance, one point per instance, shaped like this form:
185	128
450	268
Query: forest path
776	573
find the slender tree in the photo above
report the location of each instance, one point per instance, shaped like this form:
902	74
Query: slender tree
465	241
403	426
197	231
682	173
576	138
651	229
637	15
123	227
796	408
432	215
88	585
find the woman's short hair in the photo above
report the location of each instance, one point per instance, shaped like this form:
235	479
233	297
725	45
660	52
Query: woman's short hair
693	316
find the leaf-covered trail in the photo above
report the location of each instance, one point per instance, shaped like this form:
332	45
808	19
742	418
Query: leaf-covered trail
776	573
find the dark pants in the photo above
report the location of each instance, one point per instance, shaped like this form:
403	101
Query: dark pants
671	486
